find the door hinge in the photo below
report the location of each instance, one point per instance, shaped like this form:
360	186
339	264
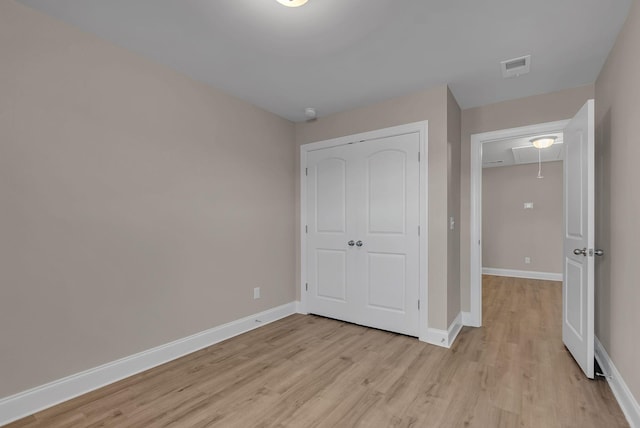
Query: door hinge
418	230
306	171
306	286
306	229
418	156
418	304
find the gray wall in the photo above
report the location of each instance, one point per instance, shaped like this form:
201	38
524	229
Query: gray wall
618	204
138	206
509	232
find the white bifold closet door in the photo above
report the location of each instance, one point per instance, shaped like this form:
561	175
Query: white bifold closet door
363	236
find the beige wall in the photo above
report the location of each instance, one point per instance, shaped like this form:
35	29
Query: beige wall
428	105
618	204
138	206
453	207
508	114
509	232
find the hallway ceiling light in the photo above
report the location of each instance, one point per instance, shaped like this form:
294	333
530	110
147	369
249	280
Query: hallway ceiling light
292	3
543	142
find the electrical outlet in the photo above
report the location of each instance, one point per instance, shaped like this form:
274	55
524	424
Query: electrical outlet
256	293
527	260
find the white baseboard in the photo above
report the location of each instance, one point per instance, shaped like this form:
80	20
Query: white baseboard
454	329
469	320
445	338
33	400
437	337
621	391
299	308
547	276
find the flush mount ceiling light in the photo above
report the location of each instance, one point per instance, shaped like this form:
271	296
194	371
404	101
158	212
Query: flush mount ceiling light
292	3
543	142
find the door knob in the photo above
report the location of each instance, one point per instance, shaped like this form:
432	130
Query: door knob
598	253
359	243
578	252
351	243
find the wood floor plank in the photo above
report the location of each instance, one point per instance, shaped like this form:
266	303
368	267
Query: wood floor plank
308	371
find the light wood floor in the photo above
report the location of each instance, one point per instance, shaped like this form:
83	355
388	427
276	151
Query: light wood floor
307	371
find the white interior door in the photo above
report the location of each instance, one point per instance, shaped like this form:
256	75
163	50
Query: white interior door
578	283
330	225
362	237
387	228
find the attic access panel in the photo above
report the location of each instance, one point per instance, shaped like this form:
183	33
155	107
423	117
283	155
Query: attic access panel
529	154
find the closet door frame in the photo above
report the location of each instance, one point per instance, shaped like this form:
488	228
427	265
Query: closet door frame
421	128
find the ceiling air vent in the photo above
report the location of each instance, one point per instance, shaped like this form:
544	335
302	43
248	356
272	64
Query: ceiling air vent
516	67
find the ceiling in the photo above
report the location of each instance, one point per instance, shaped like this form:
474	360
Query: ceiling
340	54
519	151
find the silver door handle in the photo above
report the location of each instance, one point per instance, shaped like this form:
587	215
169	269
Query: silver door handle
578	252
359	243
598	253
351	243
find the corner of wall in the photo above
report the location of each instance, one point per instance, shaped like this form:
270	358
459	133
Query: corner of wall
445	338
454	147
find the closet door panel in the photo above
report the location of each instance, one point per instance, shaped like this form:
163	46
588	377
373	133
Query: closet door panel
331	276
388	228
386	176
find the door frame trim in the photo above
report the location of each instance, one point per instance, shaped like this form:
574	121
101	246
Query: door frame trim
474	319
421	128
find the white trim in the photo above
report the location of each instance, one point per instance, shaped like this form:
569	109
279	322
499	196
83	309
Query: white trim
529	274
303	230
475	231
445	338
454	329
370	135
39	398
437	337
621	391
423	188
299	308
422	128
467	320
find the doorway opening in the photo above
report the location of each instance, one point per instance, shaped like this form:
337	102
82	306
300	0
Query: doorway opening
491	144
578	226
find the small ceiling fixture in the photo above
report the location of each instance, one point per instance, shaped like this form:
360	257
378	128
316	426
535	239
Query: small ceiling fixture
310	113
292	3
542	143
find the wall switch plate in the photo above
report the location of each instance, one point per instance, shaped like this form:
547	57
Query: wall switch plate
256	293
527	260
528	205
